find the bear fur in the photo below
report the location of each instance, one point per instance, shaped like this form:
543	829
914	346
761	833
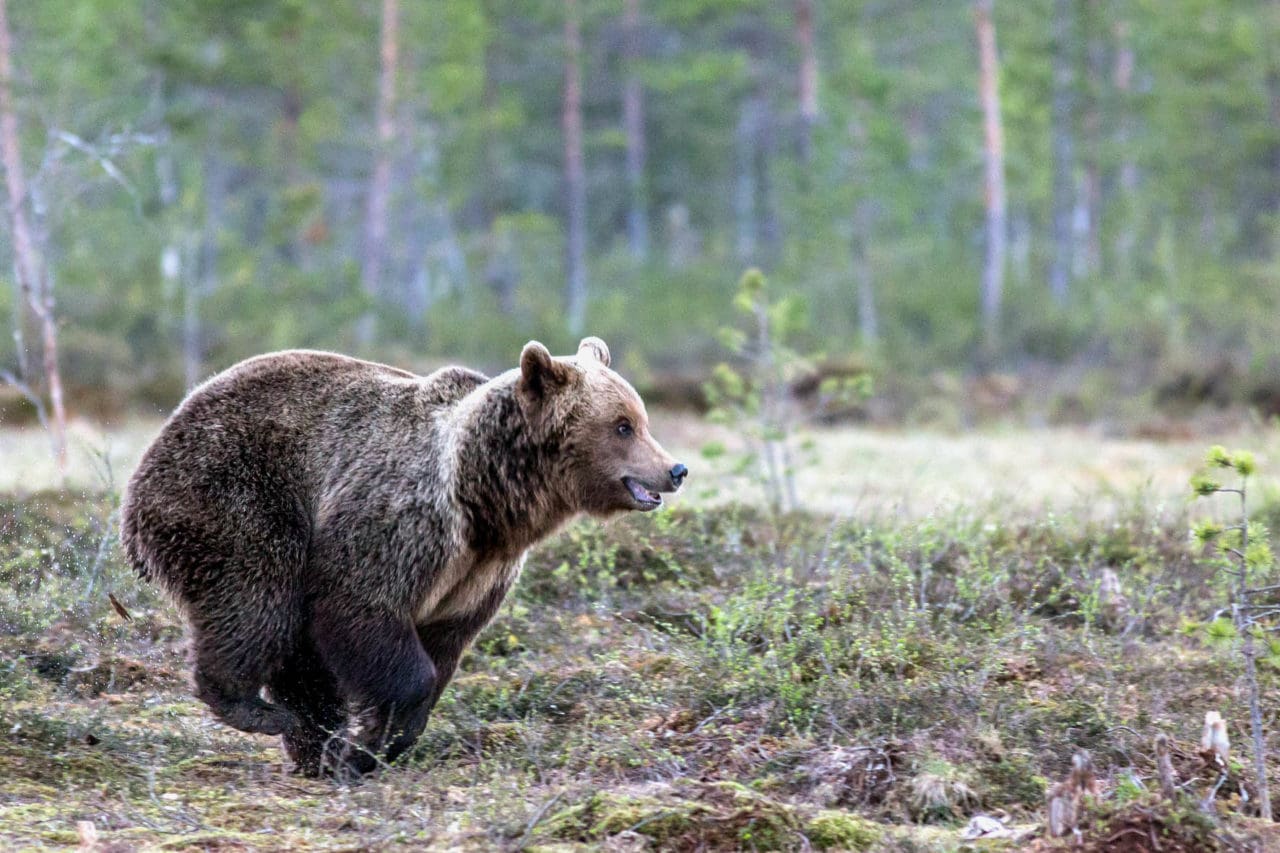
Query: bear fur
338	531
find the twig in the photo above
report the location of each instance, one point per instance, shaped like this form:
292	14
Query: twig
535	820
699	726
27	392
1207	804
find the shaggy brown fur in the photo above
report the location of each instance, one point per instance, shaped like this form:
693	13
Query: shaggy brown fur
338	531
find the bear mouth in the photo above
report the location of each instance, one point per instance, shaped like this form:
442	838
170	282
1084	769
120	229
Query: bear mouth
645	498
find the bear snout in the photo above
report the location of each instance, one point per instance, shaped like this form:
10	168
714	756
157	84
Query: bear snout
678	473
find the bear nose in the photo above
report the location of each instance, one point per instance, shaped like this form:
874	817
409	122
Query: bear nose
678	472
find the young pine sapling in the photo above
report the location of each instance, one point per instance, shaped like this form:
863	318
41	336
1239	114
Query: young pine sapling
754	393
1244	555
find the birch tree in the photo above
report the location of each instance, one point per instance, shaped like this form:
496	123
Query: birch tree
807	84
574	174
374	250
633	122
34	287
1063	201
993	171
1127	183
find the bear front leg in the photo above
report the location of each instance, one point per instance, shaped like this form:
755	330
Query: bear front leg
446	639
385	679
305	686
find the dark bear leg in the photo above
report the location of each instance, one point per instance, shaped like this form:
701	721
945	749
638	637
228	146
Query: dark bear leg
386	680
245	611
232	692
236	702
445	640
305	686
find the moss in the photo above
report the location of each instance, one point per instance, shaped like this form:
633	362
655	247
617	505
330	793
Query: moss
608	813
212	841
1177	826
841	830
720	815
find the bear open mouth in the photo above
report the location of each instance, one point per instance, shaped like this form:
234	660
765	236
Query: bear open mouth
642	495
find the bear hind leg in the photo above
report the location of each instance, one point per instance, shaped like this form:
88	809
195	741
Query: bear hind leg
235	659
387	682
239	705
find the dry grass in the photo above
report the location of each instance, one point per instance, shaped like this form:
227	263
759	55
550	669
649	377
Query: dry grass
855	471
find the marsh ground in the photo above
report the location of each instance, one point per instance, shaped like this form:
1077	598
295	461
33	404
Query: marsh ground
926	642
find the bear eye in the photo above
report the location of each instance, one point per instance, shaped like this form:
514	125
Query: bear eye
625	430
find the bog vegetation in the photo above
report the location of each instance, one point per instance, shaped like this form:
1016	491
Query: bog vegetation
717	676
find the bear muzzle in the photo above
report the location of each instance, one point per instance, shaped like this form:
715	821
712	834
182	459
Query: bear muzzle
678	473
646	496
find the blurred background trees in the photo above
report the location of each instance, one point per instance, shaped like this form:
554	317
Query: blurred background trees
413	180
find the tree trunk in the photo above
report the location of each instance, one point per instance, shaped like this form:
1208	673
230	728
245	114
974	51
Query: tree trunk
1250	654
500	273
808	82
633	120
288	245
864	281
868	316
24	248
192	348
1091	130
53	377
1063	156
1271	199
1122	79
1244	624
574	174
179	259
770	217
744	194
993	158
199	284
375	230
36	290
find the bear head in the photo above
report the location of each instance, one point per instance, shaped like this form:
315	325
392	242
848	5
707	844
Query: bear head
612	463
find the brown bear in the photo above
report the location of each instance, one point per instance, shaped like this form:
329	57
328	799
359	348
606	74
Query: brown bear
338	531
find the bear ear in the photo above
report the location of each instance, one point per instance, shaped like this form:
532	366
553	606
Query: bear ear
539	372
593	347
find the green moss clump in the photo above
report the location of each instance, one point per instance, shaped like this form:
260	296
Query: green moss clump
840	830
608	813
721	816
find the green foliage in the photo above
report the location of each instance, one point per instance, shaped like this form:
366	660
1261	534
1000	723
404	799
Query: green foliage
1218	456
753	395
239	134
1220	632
1271	653
1244	552
1248	543
710	816
1206	531
1204	485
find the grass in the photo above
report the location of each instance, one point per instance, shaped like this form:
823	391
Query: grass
855	677
863	472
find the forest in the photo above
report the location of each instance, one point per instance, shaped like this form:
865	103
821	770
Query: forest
965	315
1057	186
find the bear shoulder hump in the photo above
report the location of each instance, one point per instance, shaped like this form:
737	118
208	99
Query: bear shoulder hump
450	384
